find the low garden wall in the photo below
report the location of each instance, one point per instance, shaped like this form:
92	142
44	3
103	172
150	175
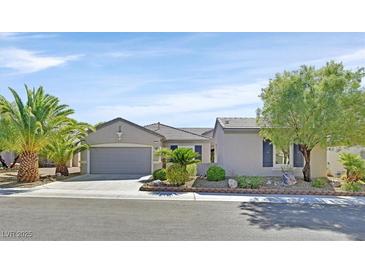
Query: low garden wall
248	191
202	168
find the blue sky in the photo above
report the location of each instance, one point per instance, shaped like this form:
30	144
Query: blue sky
181	79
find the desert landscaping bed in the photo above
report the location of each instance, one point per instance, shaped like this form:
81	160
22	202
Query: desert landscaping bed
272	185
8	177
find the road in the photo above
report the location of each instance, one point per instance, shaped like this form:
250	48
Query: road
107	219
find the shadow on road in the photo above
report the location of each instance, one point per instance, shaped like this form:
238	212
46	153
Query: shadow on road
346	219
165	194
5	192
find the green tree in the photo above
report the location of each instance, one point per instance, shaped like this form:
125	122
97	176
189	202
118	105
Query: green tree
314	107
70	141
34	124
165	154
184	157
354	165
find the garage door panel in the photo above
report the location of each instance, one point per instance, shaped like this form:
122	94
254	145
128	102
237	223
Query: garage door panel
120	160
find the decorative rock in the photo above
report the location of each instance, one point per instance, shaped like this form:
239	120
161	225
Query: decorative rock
289	179
147	178
336	183
58	174
232	183
156	182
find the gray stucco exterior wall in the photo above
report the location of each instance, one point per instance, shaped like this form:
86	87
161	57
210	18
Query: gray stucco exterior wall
132	135
206	146
241	153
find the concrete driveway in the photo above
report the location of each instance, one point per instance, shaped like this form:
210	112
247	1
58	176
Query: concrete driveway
116	187
95	186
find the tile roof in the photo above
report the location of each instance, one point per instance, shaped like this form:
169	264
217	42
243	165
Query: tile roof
172	133
197	130
119	119
237	122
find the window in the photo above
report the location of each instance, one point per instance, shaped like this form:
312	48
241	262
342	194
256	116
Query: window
281	157
173	147
198	149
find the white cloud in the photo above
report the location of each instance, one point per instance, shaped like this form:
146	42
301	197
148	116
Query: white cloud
216	102
356	57
7	35
25	61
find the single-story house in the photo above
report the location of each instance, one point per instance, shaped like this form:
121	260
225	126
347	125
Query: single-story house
334	165
123	147
240	150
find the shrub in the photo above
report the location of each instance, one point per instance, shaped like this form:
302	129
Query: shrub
354	165
351	186
319	183
177	175
192	170
249	181
184	156
216	173
159	174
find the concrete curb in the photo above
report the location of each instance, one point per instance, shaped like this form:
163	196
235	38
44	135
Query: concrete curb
248	191
187	196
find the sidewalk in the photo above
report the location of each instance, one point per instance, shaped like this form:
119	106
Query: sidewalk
129	189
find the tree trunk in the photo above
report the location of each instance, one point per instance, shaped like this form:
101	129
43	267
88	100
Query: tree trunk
62	169
28	170
14	162
3	162
163	163
307	157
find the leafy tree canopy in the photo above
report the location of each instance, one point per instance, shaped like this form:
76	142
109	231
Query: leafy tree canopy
311	106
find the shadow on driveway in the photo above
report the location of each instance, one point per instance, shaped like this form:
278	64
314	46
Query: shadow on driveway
347	219
105	177
5	192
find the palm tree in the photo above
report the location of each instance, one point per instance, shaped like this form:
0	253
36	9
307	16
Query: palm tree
70	141
34	124
184	157
165	154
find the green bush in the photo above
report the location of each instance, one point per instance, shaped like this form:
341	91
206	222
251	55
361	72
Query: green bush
159	174
354	165
192	170
216	173
184	156
319	183
352	186
177	175
249	181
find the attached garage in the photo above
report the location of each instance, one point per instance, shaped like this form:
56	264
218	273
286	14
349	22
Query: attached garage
121	160
120	147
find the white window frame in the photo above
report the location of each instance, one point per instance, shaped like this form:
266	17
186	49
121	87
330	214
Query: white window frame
291	158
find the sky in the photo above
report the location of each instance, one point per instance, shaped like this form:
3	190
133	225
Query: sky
179	79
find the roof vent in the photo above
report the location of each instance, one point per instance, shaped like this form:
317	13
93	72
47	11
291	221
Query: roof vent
226	122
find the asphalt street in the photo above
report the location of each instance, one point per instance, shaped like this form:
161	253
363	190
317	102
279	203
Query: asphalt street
108	219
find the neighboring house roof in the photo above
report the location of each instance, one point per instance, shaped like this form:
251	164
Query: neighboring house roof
172	133
237	122
119	119
198	130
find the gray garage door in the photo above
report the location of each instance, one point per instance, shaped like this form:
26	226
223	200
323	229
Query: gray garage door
120	160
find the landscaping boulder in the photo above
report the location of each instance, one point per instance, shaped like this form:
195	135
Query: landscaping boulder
232	183
147	178
156	182
289	179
